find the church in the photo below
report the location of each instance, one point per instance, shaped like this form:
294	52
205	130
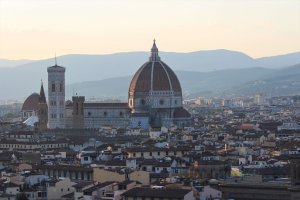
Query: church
154	101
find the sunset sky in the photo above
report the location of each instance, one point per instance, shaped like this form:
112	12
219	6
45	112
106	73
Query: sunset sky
35	29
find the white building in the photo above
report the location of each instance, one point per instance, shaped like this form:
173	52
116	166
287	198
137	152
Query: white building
56	97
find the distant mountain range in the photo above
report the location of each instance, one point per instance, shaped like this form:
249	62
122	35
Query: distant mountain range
13	63
201	73
285	81
224	83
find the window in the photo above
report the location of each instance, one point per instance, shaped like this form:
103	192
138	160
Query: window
161	102
60	87
121	114
143	102
158	153
53	87
105	114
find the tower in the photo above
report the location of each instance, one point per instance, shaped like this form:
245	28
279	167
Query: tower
259	99
42	110
56	96
78	115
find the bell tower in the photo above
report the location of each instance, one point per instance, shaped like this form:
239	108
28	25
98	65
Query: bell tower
56	96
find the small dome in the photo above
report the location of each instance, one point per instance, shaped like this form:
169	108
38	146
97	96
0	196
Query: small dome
31	103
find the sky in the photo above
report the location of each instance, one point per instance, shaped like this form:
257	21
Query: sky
37	29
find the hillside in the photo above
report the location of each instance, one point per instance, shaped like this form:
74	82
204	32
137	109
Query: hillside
191	82
24	79
285	81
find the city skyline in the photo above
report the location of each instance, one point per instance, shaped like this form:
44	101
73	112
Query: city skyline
36	30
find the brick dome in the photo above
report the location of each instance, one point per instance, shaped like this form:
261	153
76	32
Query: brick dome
155	75
31	103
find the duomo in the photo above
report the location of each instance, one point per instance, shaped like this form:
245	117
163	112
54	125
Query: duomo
154	101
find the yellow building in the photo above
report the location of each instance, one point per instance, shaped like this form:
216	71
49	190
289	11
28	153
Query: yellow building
102	175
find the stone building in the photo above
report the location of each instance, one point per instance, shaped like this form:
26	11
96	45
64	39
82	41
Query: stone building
154	100
96	114
56	96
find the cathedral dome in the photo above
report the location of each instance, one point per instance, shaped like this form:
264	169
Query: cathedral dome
155	95
155	75
31	103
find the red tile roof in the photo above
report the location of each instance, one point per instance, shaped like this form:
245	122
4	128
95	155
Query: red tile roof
157	75
31	103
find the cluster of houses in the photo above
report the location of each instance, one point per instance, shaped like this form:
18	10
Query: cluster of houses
228	153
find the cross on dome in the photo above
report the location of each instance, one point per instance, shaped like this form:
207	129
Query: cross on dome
154	53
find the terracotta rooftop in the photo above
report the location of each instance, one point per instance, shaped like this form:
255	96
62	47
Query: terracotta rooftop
31	103
155	75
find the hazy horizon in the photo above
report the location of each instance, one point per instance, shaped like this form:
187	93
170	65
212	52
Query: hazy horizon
124	52
38	29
